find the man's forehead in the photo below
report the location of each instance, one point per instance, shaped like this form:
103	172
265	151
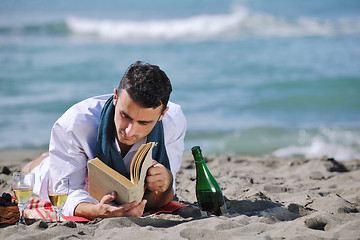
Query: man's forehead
135	111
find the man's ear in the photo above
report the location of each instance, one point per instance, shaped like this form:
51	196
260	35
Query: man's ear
115	96
163	113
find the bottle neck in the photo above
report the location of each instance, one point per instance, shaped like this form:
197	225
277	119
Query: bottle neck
201	168
198	158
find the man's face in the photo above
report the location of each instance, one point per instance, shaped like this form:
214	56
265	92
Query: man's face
133	122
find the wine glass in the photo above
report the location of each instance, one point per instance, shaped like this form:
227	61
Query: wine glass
22	185
58	191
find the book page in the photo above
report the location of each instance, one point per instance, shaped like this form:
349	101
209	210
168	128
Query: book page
147	163
139	160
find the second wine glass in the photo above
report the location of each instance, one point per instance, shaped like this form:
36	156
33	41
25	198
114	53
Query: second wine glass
58	190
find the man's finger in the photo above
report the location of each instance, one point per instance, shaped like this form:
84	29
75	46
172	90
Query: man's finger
152	179
155	169
134	208
108	197
138	210
128	206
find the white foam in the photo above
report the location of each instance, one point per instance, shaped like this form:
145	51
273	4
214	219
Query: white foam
197	27
239	23
341	145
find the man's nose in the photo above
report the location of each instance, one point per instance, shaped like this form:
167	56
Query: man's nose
130	129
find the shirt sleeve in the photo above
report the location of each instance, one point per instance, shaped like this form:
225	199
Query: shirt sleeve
174	123
67	158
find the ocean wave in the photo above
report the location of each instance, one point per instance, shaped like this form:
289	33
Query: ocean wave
334	143
241	22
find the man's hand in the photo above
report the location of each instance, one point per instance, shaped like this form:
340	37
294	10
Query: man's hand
159	178
106	208
159	190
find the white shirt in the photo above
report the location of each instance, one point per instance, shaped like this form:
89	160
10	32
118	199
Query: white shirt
73	142
131	153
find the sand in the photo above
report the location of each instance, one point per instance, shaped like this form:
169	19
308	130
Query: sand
267	198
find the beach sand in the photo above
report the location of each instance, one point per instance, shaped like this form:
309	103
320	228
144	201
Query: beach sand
267	198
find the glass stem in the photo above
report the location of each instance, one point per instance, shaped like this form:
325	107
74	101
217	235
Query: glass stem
21	210
58	214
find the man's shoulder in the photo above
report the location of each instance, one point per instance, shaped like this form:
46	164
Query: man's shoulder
174	119
174	113
85	112
92	103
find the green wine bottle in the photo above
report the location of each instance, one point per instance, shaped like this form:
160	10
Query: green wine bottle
208	192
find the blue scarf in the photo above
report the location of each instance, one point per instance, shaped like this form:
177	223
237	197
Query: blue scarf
106	149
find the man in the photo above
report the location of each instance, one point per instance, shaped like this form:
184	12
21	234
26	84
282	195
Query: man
112	127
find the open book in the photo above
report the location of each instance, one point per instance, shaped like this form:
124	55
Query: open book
104	180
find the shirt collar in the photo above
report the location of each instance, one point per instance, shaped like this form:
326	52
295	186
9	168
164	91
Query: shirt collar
134	147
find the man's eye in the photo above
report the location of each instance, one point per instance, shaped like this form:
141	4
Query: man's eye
124	115
143	123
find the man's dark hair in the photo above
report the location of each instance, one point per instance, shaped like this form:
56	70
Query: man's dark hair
146	84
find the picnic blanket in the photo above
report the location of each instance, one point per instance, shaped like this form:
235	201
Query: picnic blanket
37	209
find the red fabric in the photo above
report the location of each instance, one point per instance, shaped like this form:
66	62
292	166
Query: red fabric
37	209
170	208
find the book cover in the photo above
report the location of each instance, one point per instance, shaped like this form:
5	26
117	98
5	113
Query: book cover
104	180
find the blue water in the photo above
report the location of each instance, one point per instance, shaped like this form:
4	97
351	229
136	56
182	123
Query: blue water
253	77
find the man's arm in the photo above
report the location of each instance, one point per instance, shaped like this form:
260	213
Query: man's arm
174	123
106	208
159	183
159	192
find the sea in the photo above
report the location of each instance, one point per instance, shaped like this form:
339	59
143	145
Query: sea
256	77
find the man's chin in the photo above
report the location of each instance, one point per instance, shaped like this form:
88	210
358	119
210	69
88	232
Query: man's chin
128	142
